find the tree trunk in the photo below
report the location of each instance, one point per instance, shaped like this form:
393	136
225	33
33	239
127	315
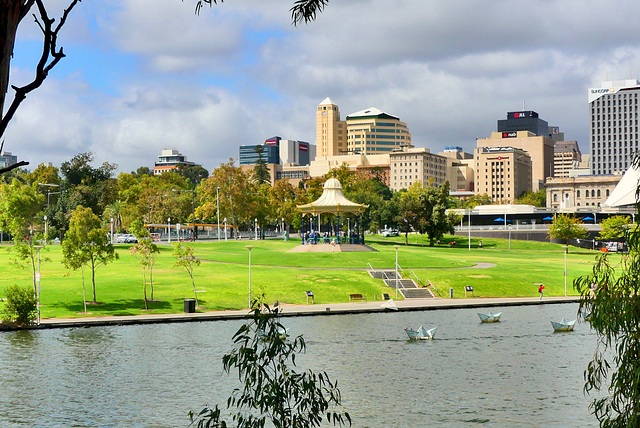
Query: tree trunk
144	281
12	13
151	278
93	281
194	292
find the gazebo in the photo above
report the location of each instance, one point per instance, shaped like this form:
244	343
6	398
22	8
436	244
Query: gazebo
335	203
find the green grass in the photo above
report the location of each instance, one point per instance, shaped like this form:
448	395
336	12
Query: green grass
222	278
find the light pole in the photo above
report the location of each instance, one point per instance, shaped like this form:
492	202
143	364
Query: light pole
218	209
169	230
249	247
45	230
48	191
225	228
38	247
566	250
111	230
396	247
469	227
193	208
255	221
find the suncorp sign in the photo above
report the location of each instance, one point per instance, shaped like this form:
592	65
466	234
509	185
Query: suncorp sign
596	93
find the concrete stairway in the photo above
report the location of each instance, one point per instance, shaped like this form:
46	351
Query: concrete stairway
407	287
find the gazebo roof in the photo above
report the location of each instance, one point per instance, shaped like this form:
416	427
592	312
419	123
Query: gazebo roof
332	201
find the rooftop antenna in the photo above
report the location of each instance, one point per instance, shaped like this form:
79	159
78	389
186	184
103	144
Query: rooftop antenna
524	105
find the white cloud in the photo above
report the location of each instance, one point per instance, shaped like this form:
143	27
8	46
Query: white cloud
240	72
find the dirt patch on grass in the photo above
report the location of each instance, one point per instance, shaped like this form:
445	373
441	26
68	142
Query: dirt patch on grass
478	276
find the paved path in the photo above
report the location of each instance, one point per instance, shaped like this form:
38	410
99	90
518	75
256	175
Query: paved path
308	310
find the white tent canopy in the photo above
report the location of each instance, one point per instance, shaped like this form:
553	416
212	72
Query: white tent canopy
332	201
625	192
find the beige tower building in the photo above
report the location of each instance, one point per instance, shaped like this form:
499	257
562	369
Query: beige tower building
331	132
410	164
503	173
540	148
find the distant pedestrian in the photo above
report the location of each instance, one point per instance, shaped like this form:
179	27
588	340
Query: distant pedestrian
541	290
480	245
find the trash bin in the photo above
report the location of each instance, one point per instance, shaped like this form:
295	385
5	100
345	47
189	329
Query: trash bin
190	306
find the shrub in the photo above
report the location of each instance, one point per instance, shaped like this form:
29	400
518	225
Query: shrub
19	306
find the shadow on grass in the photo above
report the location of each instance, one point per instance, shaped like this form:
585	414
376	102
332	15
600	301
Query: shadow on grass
119	307
444	243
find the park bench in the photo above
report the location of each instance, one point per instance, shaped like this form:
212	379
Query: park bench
357	298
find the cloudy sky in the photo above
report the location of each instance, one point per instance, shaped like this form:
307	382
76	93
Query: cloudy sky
143	75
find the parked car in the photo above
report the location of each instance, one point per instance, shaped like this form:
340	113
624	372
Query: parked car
390	232
131	239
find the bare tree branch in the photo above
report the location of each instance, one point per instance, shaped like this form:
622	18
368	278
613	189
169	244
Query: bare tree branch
50	56
14	166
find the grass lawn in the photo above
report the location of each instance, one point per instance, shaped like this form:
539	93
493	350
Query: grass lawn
222	278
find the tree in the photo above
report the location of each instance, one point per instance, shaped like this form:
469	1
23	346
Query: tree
13	12
302	10
260	171
537	199
614	228
21	305
476	200
237	195
610	299
271	387
186	260
434	221
565	227
148	252
87	243
20	214
193	173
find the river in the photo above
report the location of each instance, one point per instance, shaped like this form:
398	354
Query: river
515	373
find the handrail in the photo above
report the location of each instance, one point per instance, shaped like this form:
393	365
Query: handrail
370	267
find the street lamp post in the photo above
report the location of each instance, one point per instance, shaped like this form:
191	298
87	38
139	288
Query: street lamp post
48	191
169	230
469	227
111	230
255	221
566	250
396	247
218	209
249	247
46	223
193	208
225	228
38	247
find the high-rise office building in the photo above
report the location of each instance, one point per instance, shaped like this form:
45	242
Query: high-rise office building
613	116
373	131
369	132
526	120
168	160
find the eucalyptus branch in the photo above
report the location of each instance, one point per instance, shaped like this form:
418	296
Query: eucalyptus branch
49	58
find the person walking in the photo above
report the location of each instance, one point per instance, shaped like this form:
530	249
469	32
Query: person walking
541	290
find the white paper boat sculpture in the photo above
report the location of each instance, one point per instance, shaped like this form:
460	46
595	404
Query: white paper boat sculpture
282	334
389	305
490	317
421	333
563	325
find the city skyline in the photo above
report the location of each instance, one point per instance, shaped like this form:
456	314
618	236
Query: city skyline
144	75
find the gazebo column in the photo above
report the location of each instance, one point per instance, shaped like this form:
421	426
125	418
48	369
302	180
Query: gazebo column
338	226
